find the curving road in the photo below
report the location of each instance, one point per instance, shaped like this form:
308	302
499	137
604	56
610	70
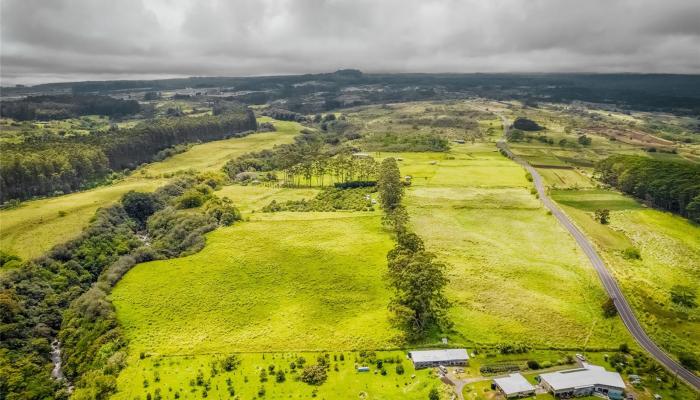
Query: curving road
609	282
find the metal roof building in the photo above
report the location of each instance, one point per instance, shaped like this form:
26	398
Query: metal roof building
433	358
584	381
514	385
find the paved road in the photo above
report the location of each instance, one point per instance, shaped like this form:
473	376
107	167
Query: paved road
609	282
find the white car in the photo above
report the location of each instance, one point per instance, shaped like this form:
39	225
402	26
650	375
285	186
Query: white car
581	357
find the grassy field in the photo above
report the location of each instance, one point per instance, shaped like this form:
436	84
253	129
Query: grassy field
478	165
296	282
277	286
175	374
280	283
565	178
611	133
291	282
36	226
670	254
474	209
249	199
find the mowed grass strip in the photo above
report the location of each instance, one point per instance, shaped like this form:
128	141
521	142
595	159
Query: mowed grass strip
37	226
593	199
277	285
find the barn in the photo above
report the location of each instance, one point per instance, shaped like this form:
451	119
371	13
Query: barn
434	358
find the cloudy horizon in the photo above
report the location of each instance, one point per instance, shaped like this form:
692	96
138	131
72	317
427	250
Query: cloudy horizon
70	40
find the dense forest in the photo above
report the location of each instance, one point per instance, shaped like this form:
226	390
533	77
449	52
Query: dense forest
65	106
64	293
63	165
670	185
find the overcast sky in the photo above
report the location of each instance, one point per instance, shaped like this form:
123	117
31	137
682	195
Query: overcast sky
59	40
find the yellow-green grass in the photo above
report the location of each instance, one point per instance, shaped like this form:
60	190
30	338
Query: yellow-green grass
593	199
515	273
670	255
283	284
176	373
36	226
211	156
565	178
250	199
478	165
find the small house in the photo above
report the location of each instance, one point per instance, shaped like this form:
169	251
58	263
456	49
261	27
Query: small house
434	358
513	386
362	369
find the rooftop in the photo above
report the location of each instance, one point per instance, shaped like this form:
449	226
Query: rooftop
588	375
514	383
438	355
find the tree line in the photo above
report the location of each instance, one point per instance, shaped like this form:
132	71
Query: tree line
50	107
315	154
64	293
64	165
669	185
418	280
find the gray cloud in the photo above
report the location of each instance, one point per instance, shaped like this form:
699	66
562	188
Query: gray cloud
93	39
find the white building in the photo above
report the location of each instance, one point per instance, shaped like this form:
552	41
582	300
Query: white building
514	385
433	358
584	381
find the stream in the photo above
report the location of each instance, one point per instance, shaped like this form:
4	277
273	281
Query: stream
57	372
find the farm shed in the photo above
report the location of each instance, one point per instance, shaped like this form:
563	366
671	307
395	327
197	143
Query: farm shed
514	385
584	381
434	358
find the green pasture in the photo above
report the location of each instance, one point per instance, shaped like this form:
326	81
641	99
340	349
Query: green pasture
516	275
175	374
466	165
593	199
284	284
565	178
36	225
251	198
670	255
211	156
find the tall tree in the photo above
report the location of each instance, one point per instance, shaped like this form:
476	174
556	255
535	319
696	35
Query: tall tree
389	184
418	279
